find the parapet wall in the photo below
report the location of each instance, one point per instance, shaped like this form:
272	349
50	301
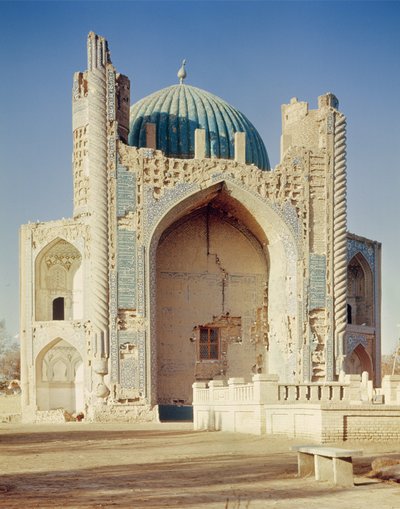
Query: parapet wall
333	412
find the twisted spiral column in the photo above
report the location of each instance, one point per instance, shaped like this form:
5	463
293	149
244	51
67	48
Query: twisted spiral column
98	204
340	235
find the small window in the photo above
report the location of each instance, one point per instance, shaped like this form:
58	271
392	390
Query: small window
349	314
58	308
209	343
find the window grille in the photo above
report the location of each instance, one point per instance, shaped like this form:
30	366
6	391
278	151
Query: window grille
209	343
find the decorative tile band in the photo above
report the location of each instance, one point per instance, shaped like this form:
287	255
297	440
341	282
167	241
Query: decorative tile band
126	191
140	281
317	293
113	327
127	278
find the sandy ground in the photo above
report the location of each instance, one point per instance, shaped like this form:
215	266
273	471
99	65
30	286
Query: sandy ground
81	465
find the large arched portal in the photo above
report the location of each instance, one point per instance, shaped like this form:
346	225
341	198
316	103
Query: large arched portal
212	295
59	378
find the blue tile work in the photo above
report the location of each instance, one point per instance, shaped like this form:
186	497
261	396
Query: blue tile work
353	340
358	246
113	326
142	363
140	281
129	369
126	191
129	373
126	269
132	374
180	109
317	281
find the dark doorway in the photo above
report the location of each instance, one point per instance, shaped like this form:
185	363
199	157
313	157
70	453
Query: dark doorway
349	314
175	413
58	308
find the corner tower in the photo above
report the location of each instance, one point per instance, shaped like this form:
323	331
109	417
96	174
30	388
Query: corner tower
319	138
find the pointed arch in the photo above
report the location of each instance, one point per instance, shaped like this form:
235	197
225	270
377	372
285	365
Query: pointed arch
58	278
360	291
265	227
358	361
57	384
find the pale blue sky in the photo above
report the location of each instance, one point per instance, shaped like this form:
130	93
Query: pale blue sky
254	54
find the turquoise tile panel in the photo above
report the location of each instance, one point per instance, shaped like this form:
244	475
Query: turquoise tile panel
126	191
317	281
126	269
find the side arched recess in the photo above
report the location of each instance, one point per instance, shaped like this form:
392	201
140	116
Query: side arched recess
59	377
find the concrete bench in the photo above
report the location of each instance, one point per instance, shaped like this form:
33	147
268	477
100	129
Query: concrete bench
326	463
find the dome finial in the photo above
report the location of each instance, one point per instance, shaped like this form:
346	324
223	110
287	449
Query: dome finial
182	72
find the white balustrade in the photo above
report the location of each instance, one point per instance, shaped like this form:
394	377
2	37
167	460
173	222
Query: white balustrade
238	391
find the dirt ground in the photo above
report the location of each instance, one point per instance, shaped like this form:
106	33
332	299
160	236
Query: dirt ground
81	465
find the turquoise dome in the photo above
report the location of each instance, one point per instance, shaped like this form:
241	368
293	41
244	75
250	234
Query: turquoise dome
180	109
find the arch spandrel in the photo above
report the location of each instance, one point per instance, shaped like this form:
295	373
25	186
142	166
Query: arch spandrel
364	261
45	234
50	244
163	211
48	332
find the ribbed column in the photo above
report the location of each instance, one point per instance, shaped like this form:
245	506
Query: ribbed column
98	203
340	237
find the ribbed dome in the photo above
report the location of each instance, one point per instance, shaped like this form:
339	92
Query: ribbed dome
180	109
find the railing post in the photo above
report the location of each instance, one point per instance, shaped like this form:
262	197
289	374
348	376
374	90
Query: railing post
390	388
292	393
325	392
265	389
336	391
314	396
353	388
197	387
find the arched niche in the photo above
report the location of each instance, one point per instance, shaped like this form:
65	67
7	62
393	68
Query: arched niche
58	282
360	292
359	361
201	252
59	377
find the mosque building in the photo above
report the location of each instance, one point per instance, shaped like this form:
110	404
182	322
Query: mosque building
189	259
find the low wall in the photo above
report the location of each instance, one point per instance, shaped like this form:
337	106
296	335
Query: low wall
326	424
320	412
377	423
